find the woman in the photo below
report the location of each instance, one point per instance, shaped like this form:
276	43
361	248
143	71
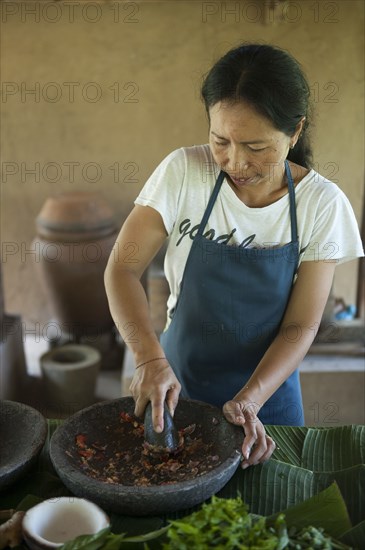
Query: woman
254	234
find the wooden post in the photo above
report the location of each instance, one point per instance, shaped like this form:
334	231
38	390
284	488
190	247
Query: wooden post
360	295
2	301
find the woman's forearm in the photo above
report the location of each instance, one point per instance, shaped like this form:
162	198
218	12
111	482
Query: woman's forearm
128	304
281	359
296	333
129	308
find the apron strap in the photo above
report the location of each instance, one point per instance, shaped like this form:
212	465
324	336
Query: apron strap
213	196
293	210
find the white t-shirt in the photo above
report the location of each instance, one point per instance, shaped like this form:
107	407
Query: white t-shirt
180	188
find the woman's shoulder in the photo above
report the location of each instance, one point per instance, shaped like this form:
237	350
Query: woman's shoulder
318	187
194	155
191	164
182	163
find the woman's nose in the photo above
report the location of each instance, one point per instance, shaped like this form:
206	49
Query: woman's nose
236	161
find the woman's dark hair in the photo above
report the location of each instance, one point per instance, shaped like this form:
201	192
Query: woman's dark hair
272	82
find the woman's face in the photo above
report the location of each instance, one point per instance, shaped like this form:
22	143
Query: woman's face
247	146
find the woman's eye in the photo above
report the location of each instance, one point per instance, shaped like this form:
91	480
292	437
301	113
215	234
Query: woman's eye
257	150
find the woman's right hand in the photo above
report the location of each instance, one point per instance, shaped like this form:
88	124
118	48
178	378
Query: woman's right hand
244	413
155	382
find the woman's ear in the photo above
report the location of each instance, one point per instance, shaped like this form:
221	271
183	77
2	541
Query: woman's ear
298	131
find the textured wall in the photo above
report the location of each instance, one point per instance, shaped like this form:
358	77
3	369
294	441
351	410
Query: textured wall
117	88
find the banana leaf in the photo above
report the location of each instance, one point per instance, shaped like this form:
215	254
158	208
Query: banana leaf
326	509
306	461
320	449
355	537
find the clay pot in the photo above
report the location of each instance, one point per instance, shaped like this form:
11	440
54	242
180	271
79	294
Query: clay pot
76	234
69	375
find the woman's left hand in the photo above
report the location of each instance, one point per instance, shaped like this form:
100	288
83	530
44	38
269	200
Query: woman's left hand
257	446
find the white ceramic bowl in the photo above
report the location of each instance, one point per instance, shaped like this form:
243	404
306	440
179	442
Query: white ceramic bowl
55	521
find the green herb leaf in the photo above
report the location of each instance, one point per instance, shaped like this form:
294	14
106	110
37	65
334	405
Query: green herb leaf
222	523
88	542
147	536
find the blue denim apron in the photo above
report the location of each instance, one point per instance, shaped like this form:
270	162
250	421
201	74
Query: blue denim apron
229	310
